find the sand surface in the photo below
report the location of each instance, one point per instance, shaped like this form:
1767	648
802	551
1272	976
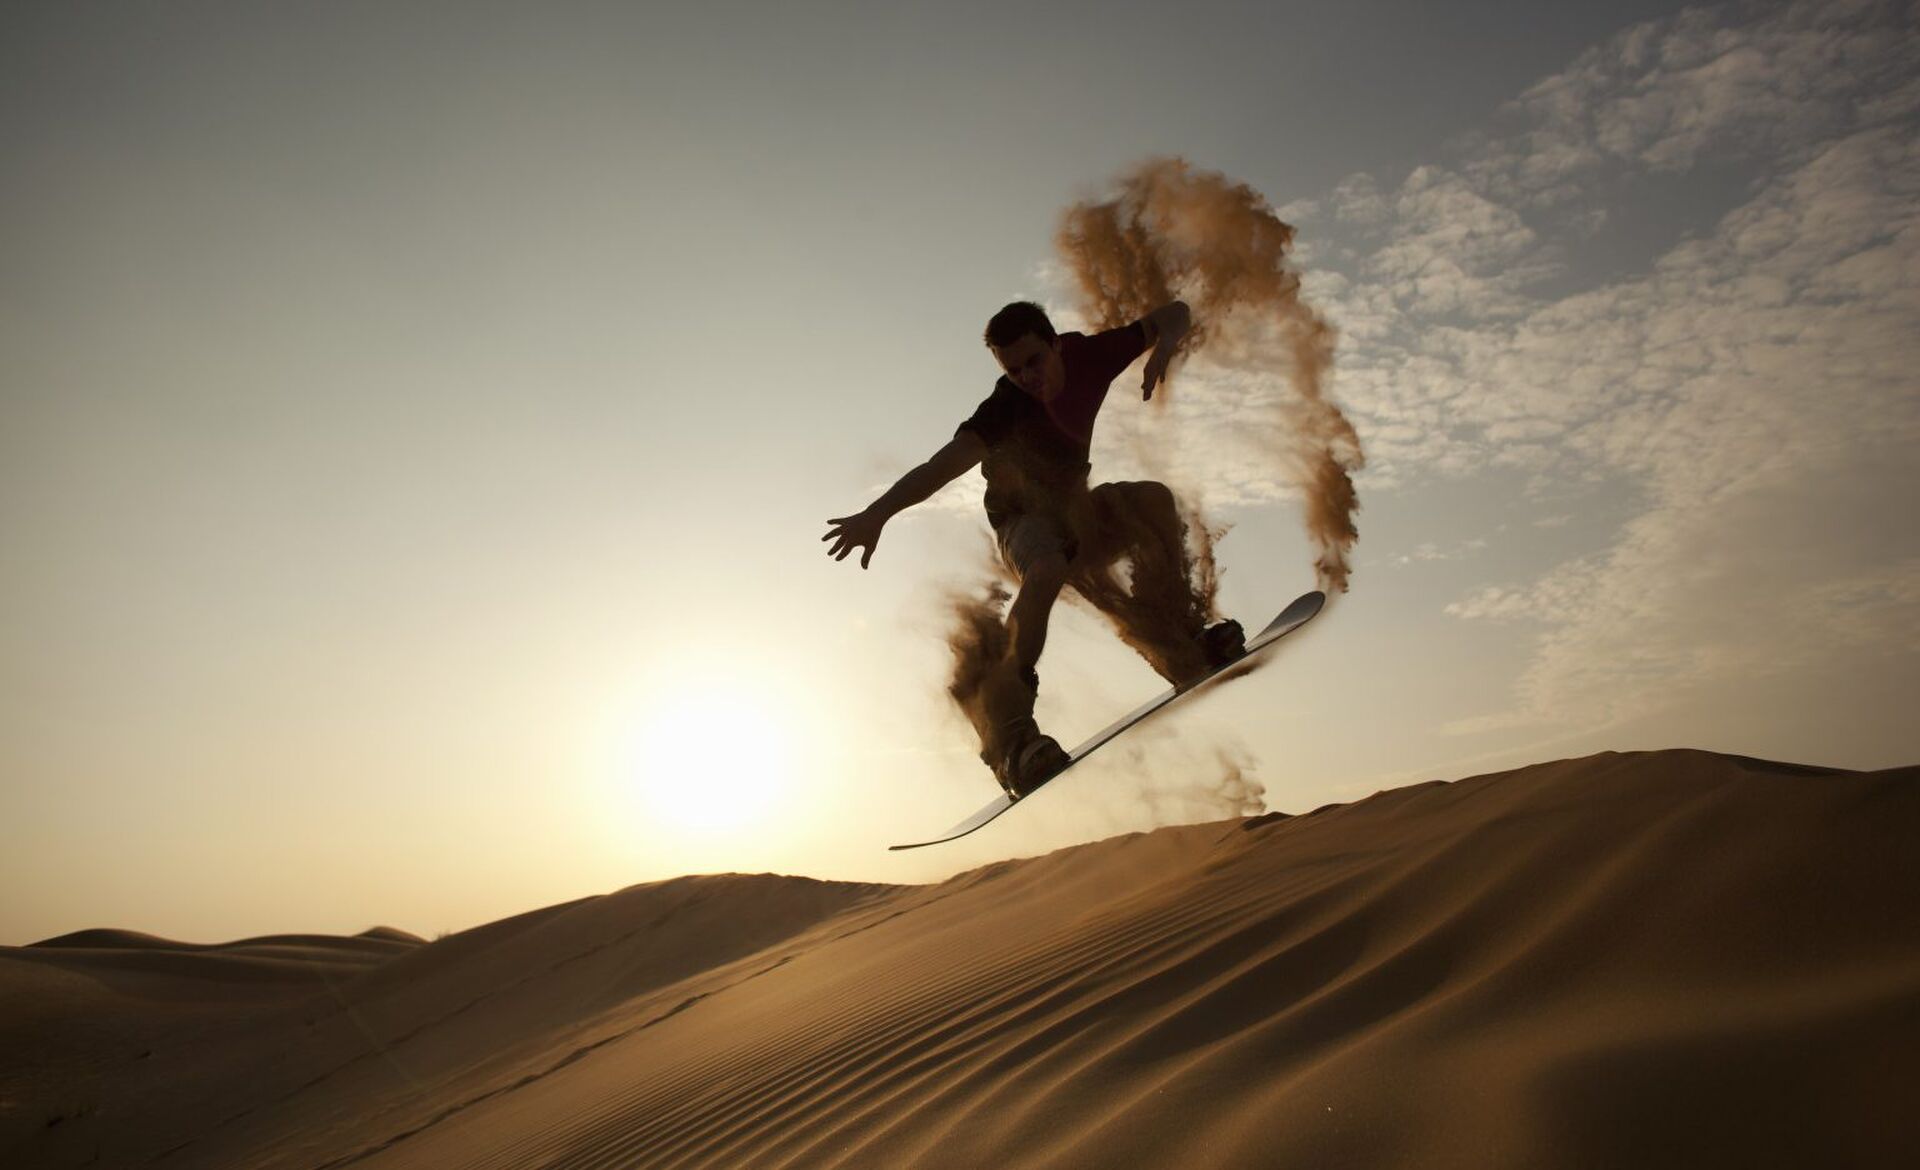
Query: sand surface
1653	959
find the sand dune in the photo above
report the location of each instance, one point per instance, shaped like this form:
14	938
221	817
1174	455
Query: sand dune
1652	959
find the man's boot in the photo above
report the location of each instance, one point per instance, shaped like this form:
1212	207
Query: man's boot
1214	647
1223	642
1011	742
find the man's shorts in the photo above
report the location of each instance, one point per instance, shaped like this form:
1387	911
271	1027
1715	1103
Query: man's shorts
1027	538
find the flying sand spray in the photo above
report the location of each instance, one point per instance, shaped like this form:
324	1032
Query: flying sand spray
1176	233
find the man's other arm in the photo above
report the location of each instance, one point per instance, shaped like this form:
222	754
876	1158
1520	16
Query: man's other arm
862	530
1165	327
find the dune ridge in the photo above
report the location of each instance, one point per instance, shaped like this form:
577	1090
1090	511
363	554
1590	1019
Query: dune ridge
1671	958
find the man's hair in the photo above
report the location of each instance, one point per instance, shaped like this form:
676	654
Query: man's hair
1016	321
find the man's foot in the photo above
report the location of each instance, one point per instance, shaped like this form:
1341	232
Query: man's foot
1219	644
1223	642
1030	764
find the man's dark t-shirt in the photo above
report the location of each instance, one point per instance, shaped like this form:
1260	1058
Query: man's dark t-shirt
1037	451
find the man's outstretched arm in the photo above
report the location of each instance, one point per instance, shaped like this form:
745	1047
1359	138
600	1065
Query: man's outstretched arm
1166	325
862	529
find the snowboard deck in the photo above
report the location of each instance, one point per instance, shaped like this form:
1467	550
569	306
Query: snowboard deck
1291	618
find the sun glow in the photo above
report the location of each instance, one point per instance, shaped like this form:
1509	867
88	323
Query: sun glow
713	759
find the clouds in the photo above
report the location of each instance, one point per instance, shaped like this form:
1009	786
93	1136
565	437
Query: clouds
1769	81
1452	250
1752	384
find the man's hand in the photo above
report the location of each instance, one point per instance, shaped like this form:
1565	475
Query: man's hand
1167	325
860	530
1156	367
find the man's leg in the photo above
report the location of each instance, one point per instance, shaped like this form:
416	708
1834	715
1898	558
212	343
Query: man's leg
1162	612
1027	621
1037	550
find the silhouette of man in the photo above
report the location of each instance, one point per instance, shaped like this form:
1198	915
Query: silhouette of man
1031	438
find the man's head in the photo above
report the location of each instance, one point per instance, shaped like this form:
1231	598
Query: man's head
1027	348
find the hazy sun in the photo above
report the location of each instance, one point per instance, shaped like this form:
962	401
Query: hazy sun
713	759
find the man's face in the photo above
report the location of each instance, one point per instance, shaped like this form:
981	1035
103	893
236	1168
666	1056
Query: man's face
1034	366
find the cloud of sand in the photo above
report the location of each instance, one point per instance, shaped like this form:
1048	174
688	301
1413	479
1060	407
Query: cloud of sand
978	637
1173	232
1179	779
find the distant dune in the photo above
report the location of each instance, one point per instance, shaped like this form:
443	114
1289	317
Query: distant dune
1668	959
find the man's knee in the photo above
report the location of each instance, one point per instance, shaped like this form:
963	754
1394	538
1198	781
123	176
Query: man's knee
1137	496
1036	546
1156	497
1047	571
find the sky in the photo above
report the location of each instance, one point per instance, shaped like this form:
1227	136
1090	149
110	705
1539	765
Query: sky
418	423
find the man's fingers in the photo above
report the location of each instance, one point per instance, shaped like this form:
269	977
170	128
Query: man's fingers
844	542
1155	374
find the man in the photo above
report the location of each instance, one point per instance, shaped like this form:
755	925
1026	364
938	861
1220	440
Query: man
1031	438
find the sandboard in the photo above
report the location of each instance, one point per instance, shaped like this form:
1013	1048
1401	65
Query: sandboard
1290	619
